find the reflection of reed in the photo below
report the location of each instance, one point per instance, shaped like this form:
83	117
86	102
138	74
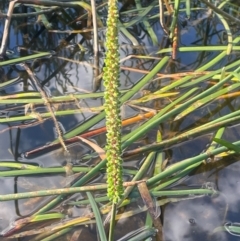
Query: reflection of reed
6	28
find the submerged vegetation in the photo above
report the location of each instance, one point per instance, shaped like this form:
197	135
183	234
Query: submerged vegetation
129	103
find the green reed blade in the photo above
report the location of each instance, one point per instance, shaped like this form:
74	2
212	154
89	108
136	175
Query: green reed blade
227	144
43	19
183	164
159	157
148	223
98	217
57	234
183	81
20	95
220	122
184	192
200	48
9	82
39	170
51	192
229	34
15	98
207	76
206	48
21	223
37	116
218	135
31	170
126	33
112	221
139	234
139	175
188	8
25	58
17	165
174	18
152	96
231	228
186	171
205	100
44	217
178	177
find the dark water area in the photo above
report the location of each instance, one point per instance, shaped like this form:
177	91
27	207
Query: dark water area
69	70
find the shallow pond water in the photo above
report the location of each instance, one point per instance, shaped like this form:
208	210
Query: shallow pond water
69	70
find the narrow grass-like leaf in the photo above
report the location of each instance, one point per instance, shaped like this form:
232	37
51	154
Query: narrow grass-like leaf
57	234
98	217
39	170
24	59
229	34
17	165
178	177
159	157
231	228
139	234
17	225
175	17
205	100
183	164
200	48
184	192
227	144
210	126
188	8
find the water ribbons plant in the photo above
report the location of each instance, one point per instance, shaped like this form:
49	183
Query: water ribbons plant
112	106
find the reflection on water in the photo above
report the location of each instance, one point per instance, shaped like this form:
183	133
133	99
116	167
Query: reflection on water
70	69
194	222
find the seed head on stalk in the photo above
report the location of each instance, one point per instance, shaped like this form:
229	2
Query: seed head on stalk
112	106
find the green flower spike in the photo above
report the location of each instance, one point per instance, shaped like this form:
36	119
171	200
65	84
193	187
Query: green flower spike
112	106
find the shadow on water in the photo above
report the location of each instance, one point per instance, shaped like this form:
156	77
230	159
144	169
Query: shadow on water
70	70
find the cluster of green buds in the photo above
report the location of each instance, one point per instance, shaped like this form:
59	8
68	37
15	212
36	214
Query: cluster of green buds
112	105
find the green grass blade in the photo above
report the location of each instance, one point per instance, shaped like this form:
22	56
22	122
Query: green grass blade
25	58
183	164
139	234
188	8
227	144
97	217
206	100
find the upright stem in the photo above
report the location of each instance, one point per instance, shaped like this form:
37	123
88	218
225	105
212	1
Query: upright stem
112	106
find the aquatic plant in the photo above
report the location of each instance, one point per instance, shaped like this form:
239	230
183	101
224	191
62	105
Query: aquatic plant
203	87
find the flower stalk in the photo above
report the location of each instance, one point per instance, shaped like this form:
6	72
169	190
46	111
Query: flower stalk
112	106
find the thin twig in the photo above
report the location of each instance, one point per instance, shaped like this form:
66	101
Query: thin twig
6	27
48	104
221	12
161	16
